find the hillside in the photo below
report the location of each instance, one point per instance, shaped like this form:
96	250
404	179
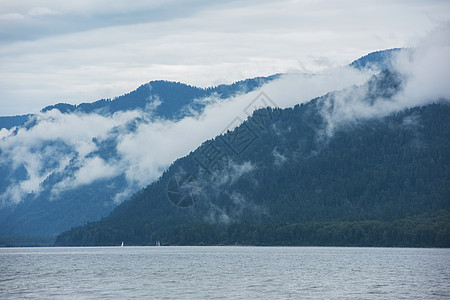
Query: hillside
301	172
71	164
48	209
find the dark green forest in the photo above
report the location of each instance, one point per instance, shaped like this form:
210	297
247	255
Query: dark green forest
425	230
280	179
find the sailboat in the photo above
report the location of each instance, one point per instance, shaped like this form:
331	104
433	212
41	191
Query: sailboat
122	244
158	243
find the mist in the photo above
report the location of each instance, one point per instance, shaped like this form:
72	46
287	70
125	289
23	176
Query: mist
60	140
423	71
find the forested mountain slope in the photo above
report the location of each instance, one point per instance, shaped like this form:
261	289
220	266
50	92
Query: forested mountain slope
72	164
304	172
54	205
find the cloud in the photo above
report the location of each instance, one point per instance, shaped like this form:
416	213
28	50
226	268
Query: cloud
51	144
11	17
212	188
153	146
279	158
101	49
41	11
92	169
58	140
427	70
4	132
423	71
144	153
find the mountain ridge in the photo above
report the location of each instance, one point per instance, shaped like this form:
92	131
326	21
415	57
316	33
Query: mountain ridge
41	214
376	169
378	59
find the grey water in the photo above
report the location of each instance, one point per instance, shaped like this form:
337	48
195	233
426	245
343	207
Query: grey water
224	273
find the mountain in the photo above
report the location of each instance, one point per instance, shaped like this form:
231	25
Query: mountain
47	209
70	164
175	95
166	99
306	175
380	60
9	122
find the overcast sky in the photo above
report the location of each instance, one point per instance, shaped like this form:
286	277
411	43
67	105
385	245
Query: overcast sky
82	51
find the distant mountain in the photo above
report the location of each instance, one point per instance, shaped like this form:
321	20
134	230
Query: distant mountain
50	183
380	60
46	213
301	176
174	95
9	122
166	99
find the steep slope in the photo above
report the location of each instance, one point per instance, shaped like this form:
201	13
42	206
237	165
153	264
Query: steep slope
57	203
70	164
299	166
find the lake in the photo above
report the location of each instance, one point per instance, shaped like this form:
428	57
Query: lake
224	273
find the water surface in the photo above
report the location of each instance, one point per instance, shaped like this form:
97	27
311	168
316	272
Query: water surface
224	273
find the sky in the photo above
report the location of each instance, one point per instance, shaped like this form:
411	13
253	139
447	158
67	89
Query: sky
81	51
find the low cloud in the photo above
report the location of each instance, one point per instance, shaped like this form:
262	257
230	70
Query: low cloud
279	159
58	140
91	169
215	186
144	153
427	70
423	72
50	144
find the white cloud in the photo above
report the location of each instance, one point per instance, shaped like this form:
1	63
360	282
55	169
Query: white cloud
428	69
145	153
148	151
91	170
41	11
424	71
5	132
102	49
279	159
11	17
53	141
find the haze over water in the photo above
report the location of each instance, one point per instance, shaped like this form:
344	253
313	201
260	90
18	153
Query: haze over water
224	273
